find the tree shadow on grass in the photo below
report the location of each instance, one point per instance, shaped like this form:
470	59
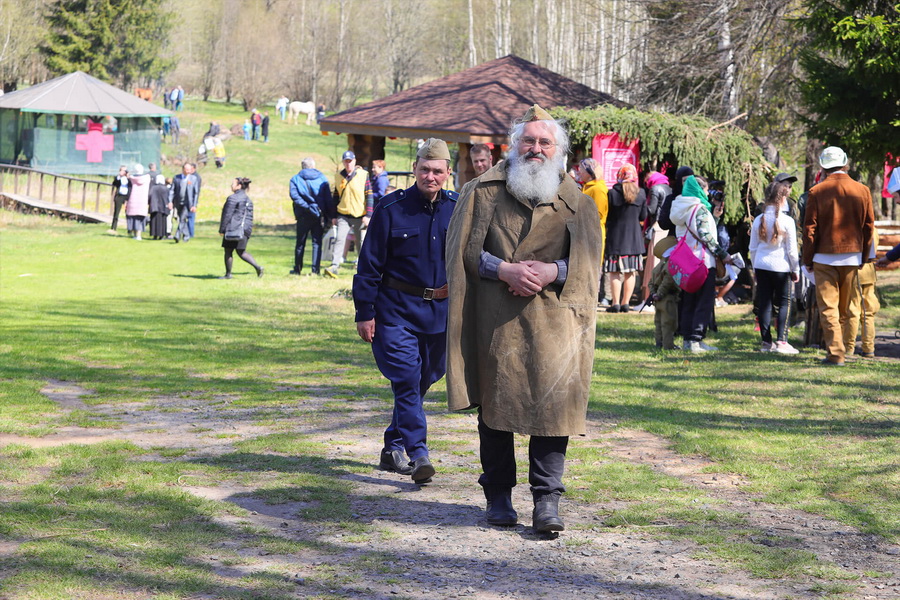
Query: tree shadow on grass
208	276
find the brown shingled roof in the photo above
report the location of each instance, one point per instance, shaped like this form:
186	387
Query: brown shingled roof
476	105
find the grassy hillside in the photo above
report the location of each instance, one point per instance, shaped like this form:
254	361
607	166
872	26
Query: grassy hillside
270	165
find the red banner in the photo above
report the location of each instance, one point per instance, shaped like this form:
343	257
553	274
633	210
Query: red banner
612	153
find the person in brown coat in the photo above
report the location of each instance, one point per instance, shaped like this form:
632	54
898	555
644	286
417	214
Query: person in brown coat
837	233
523	274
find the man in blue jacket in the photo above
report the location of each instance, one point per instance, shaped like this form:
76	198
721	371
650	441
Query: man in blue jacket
311	195
400	293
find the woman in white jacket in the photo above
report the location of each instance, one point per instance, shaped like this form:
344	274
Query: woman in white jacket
693	220
776	265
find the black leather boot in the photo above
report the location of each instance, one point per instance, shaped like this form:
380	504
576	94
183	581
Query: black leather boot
545	518
500	510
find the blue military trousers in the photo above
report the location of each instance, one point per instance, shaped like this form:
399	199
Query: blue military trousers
412	362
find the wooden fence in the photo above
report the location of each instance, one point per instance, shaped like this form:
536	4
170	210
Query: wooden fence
64	195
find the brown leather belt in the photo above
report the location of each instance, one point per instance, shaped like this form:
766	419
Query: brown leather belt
422	292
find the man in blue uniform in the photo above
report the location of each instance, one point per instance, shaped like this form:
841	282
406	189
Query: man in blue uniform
400	292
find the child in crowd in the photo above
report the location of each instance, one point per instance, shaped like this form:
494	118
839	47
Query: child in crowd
776	266
870	306
664	292
219	152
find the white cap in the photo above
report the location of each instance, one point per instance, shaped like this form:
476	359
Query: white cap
832	157
138	169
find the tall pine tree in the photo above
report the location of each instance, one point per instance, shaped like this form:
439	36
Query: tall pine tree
118	41
852	65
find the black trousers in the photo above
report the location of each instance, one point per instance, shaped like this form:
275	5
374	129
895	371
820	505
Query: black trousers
696	310
773	288
546	461
118	201
308	225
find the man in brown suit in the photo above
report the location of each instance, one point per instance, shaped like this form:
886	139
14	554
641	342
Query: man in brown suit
523	270
837	233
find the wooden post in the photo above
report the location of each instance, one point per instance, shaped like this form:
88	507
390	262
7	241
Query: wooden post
68	192
97	201
41	186
15	181
28	183
54	189
366	148
84	195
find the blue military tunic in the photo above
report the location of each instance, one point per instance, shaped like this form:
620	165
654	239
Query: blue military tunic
405	242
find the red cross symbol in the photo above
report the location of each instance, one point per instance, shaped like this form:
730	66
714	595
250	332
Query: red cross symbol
94	142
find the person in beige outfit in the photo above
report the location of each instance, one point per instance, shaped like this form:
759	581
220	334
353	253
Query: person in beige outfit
837	233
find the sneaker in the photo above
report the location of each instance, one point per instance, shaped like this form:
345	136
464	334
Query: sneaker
604	302
867	355
624	308
331	272
766	347
784	348
707	347
694	347
613	308
720	303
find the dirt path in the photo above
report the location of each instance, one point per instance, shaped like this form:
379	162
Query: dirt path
433	541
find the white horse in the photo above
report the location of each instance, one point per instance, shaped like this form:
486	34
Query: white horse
295	109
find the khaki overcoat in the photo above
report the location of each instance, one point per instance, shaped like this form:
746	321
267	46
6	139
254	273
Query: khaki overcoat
526	361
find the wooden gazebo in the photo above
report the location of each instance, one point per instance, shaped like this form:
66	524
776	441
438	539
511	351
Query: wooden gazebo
475	106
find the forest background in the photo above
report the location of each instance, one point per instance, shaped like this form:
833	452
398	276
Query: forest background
797	73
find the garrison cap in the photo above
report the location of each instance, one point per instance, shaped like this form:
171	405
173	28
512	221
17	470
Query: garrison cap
434	149
536	113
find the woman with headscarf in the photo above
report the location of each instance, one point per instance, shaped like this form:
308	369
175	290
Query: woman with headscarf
138	204
624	240
236	226
159	207
692	216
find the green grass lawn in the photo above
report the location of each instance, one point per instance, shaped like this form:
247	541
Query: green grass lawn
133	321
270	165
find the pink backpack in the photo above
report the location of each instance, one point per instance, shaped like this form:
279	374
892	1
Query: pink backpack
688	271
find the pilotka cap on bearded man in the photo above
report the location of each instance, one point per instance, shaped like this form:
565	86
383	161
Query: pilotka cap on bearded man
434	149
536	113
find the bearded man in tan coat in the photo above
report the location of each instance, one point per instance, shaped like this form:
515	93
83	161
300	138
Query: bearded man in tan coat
523	256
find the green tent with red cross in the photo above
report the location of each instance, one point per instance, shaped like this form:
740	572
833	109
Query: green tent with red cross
77	124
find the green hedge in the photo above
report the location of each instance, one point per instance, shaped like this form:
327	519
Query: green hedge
725	152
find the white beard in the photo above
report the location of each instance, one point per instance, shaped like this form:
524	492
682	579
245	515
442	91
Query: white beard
534	182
